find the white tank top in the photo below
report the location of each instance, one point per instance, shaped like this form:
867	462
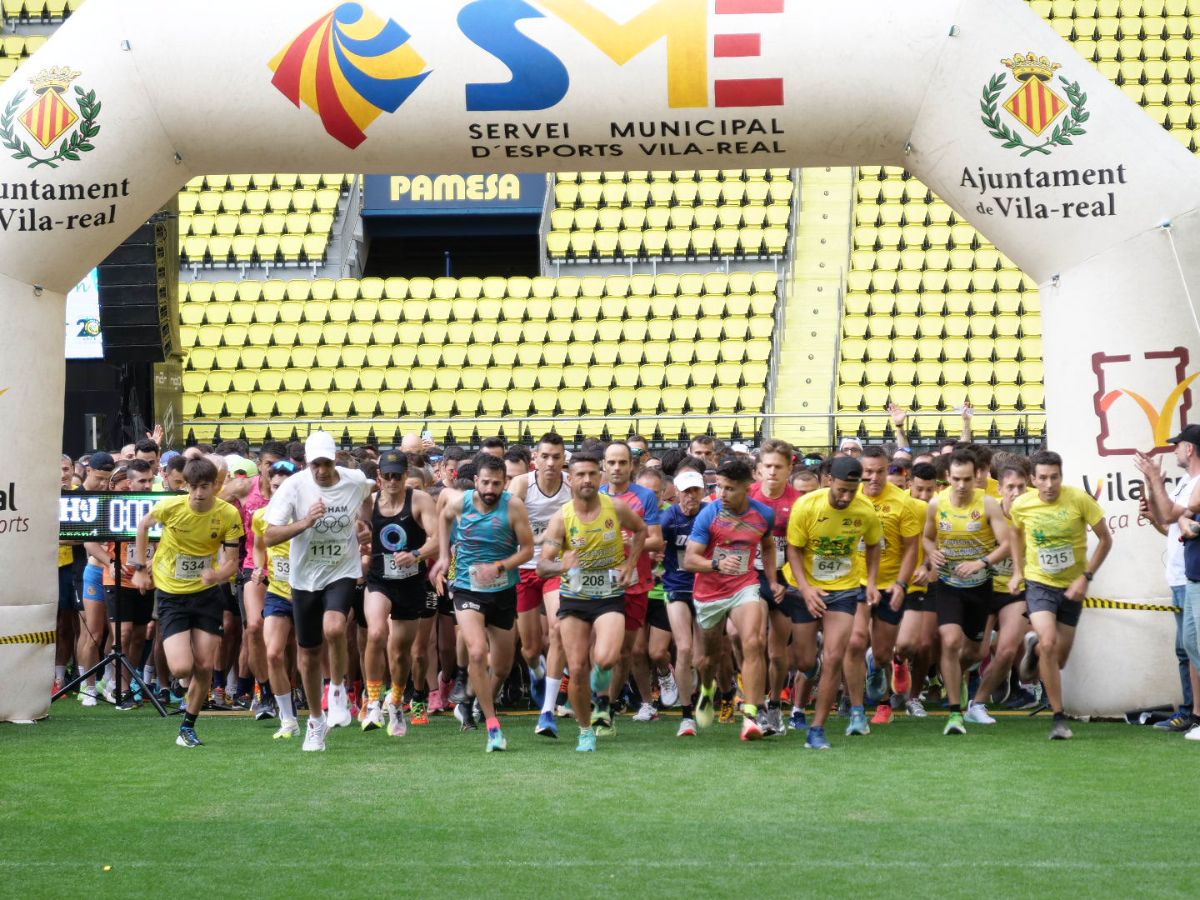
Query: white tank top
541	510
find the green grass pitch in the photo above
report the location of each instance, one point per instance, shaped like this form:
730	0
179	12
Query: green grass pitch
1001	812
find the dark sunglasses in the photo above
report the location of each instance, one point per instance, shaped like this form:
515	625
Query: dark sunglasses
393	476
284	467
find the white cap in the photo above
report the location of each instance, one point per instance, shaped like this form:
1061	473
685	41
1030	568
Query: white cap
320	445
689	478
848	442
739	448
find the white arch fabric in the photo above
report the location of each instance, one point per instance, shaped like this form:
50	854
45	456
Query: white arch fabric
1066	175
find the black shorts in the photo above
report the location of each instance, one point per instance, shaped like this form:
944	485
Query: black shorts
656	615
883	610
66	588
203	611
591	610
792	605
967	608
410	598
921	601
309	608
134	606
1044	598
229	599
445	606
499	608
1001	599
358	604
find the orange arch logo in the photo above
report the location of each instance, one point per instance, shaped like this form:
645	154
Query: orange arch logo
1123	400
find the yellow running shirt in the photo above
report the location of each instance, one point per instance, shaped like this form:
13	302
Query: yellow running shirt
831	538
1056	534
279	559
190	542
898	518
601	550
963	534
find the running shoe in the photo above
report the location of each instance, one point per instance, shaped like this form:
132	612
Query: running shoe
843	709
1031	697
187	738
466	721
915	708
587	741
537	688
704	709
954	725
646	713
773	722
496	741
883	714
876	680
397	725
603	724
727	711
858	722
106	691
314	735
418	713
1193	733
287	731
901	677
437	702
477	710
459	693
127	703
1179	723
547	725
668	690
87	697
374	718
240	701
1061	731
601	680
977	714
816	739
1028	669
750	730
799	721
56	686
339	710
687	728
261	709
216	700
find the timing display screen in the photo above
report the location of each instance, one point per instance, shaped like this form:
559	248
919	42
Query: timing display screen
105	515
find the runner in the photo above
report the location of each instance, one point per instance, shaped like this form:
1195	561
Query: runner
918	634
878	626
618	467
272	568
1050	554
965	535
319	511
677	523
725	540
595	570
190	606
651	654
403	540
825	562
92	605
545	492
492	538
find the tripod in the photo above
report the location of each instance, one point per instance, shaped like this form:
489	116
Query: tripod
117	657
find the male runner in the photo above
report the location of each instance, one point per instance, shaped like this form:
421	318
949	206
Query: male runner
545	492
965	535
190	606
1050	553
492	537
918	632
677	523
254	593
403	540
825	532
595	570
878	626
618	467
319	511
728	535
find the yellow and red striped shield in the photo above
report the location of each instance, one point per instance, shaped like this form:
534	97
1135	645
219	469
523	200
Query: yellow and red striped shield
1035	106
49	118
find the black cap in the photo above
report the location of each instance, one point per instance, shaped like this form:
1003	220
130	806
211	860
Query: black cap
1190	434
393	462
102	462
846	468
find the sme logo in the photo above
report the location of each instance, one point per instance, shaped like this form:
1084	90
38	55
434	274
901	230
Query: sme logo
352	66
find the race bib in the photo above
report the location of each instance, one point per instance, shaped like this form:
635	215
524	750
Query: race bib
281	569
1004	568
597	583
741	557
780	553
189	568
539	528
498	583
393	572
1053	560
831	568
326	553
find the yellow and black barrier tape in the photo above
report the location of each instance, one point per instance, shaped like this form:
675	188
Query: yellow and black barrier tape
1097	603
33	637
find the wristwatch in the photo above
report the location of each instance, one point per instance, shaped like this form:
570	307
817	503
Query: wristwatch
1089	575
138	567
903	585
716	566
987	566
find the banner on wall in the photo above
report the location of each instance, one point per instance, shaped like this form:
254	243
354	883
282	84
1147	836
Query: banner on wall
84	337
483	194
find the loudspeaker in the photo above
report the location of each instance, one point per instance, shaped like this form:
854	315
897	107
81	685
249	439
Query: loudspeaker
138	295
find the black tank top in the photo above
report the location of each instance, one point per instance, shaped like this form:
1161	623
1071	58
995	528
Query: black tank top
400	533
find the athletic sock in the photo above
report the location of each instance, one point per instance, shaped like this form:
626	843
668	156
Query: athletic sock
189	720
493	724
1060	716
687	712
60	673
955	707
245	685
551	698
395	695
728	695
420	696
860	710
750	711
264	689
286	711
374	691
218	681
772	704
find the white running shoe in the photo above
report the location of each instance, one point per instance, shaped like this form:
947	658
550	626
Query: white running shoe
397	724
288	729
314	736
977	713
87	697
915	708
339	708
646	713
374	717
668	690
107	690
687	728
1192	734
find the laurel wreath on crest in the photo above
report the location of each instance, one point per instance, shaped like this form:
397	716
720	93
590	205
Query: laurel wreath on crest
1068	128
79	141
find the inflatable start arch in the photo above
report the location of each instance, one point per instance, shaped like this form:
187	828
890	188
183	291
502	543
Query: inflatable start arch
978	98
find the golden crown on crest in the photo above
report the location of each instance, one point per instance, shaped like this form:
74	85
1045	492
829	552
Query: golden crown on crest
56	78
1031	66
